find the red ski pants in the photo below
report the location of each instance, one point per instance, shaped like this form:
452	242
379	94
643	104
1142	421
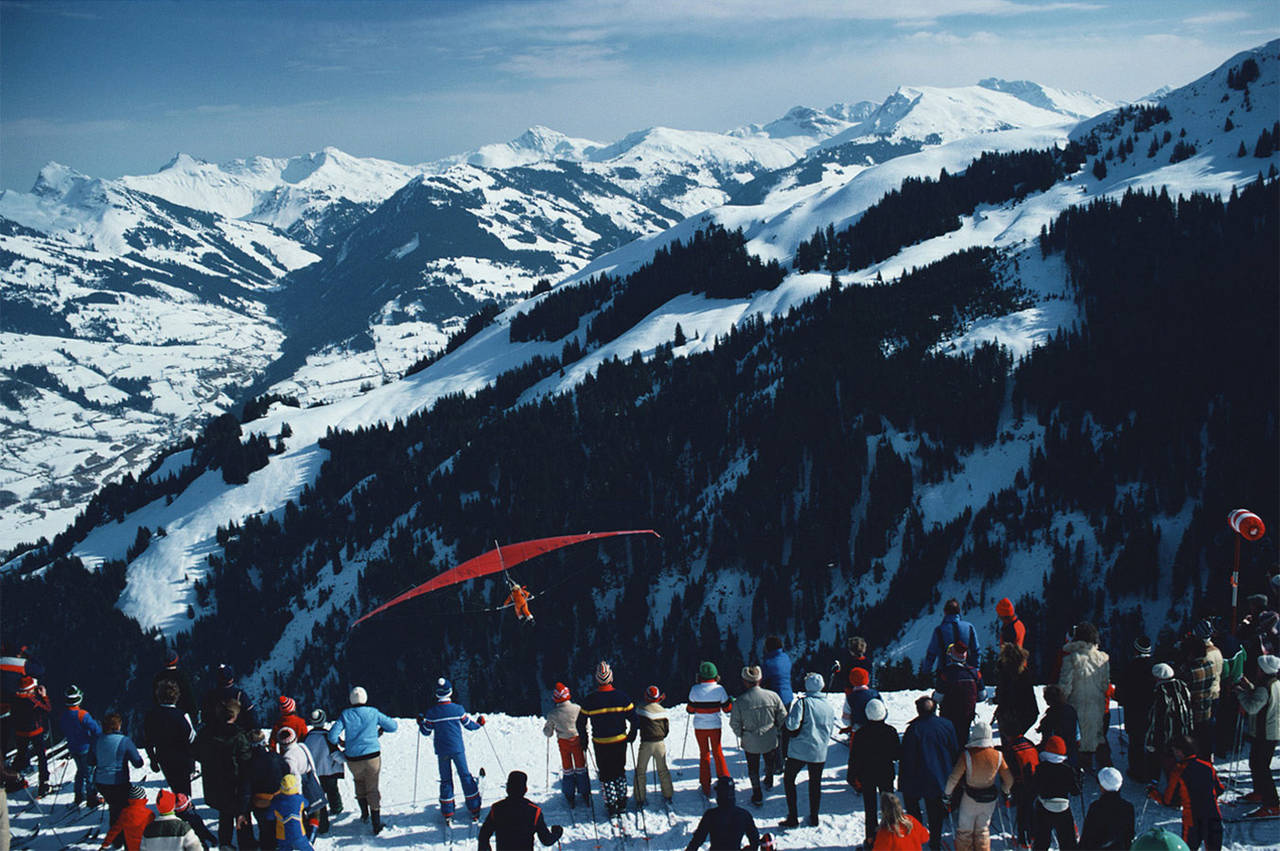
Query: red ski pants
709	748
571	755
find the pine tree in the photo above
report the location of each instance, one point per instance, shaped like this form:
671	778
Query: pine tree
679	339
1099	169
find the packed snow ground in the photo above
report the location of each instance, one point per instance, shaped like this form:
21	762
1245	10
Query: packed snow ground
507	743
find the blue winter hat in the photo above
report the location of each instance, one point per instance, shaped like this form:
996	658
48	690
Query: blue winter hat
444	689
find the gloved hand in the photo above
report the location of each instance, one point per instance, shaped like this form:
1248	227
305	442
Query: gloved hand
556	832
946	801
480	720
154	765
835	666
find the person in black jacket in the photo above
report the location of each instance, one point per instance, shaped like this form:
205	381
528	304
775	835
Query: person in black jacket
1134	690
1016	705
726	823
265	770
612	716
515	819
225	690
223	750
169	735
186	694
1109	823
873	749
1055	782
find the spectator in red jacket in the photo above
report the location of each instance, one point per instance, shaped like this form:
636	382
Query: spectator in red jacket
289	717
132	821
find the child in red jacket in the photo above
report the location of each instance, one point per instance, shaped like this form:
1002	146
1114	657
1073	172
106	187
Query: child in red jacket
132	821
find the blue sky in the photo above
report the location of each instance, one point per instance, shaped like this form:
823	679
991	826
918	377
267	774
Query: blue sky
117	88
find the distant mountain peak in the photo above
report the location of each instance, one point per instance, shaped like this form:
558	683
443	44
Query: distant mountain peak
1076	104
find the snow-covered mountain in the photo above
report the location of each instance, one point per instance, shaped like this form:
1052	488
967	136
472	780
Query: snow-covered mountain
352	504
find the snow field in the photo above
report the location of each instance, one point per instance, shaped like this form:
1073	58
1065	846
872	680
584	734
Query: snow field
410	799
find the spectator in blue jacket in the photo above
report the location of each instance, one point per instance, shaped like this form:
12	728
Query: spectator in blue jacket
929	750
81	732
776	668
952	630
362	725
446	721
810	721
114	752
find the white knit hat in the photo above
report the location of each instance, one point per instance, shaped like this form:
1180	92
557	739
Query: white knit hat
359	697
813	682
1110	779
980	735
1269	664
1162	671
876	710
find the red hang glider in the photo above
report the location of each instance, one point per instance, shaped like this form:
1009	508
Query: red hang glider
496	561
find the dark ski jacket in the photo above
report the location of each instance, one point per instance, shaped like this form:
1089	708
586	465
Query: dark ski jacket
1169	716
186	694
873	750
1061	721
514	822
223	751
1109	824
168	734
726	823
777	675
265	771
961	687
929	750
612	716
1055	780
1135	687
1016	705
1194	786
29	714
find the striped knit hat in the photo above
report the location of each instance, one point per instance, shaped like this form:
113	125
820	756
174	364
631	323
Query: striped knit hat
561	693
604	674
318	717
73	695
27	684
653	694
181	803
287	705
286	736
137	793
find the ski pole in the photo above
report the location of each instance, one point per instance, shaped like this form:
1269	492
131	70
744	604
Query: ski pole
494	748
417	750
547	779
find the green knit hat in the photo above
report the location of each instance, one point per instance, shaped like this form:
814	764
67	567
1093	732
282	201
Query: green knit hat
707	671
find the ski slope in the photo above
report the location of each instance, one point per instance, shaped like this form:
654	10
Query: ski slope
506	743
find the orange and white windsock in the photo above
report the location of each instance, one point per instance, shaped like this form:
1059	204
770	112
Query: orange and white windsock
1247	524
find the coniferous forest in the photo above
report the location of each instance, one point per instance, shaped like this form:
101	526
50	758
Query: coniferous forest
768	463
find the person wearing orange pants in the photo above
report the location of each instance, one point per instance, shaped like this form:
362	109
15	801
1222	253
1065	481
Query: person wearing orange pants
562	722
519	598
707	699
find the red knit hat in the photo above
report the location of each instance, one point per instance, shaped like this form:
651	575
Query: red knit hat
958	650
1005	608
182	803
166	802
859	677
604	674
287	705
286	735
653	694
561	693
26	684
1056	745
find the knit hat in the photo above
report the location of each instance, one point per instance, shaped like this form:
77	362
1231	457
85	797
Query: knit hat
286	735
980	736
958	650
1203	630
358	696
859	677
1162	671
653	694
291	785
181	803
226	674
287	705
752	674
813	682
1142	645
1269	664
73	695
604	674
444	689
27	684
1053	749
1110	779
707	671
166	803
561	693
137	793
1005	608
876	710
1259	599
318	717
